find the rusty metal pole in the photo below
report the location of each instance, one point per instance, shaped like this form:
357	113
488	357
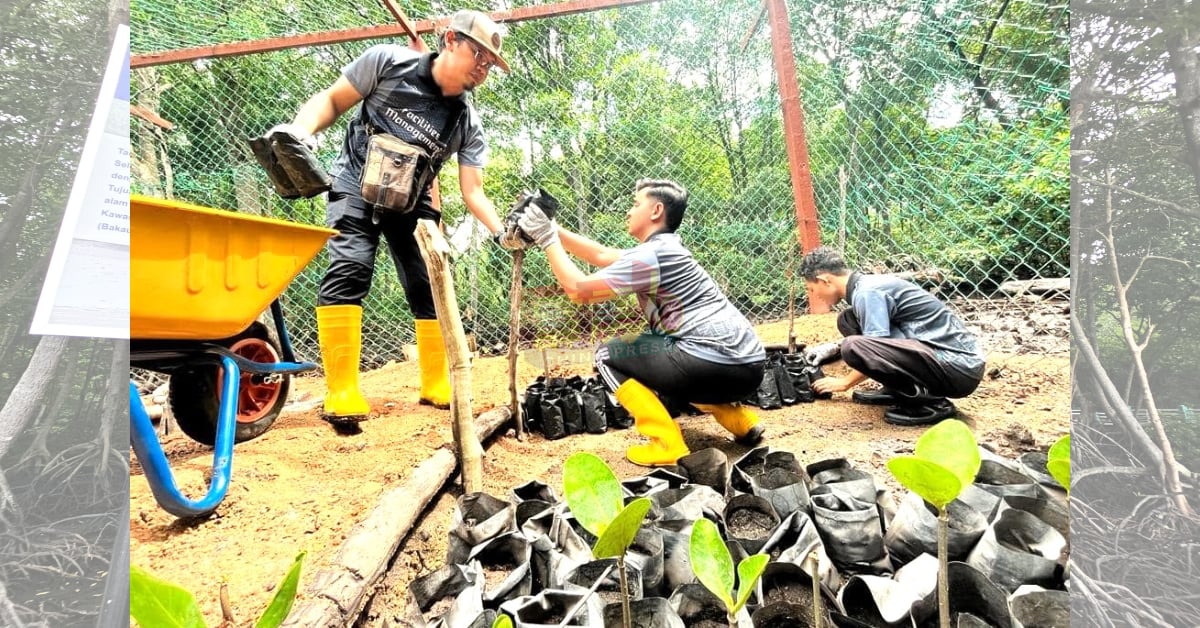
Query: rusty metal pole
793	125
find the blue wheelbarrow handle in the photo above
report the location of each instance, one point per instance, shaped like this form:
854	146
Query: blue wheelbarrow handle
154	462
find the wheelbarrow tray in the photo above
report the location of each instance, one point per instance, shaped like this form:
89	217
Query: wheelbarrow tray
198	273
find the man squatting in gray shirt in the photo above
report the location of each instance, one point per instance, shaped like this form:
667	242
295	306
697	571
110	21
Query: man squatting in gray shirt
897	334
699	348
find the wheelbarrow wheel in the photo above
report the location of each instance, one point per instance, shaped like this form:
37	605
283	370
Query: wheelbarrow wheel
194	390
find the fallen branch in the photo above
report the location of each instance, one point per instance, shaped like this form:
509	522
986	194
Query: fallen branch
339	592
1060	286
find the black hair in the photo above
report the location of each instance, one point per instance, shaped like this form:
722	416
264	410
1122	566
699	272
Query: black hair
822	259
673	196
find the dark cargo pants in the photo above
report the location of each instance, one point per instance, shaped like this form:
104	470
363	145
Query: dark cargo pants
352	253
900	364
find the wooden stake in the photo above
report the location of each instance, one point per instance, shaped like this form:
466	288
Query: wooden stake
791	279
436	252
514	339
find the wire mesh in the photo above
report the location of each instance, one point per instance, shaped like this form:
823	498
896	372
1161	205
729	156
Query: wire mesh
937	130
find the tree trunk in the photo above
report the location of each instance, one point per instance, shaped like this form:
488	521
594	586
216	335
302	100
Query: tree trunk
26	195
144	137
115	406
1169	471
29	393
68	383
1186	64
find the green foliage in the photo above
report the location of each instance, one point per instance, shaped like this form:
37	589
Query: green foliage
159	604
592	491
595	498
281	604
713	566
155	603
933	482
618	535
910	166
1058	462
944	461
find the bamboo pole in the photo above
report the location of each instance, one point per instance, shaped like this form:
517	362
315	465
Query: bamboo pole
436	252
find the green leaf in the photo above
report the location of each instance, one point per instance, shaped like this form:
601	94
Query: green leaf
592	491
502	621
931	481
281	604
749	571
1060	449
711	560
1058	462
1061	471
951	445
619	534
155	603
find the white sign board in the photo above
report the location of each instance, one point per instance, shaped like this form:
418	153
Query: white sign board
86	292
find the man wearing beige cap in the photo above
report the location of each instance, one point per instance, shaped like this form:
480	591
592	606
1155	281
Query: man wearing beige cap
414	111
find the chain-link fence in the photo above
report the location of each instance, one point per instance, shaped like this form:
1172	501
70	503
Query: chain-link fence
938	136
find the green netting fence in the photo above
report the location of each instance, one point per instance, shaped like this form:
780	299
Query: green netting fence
937	131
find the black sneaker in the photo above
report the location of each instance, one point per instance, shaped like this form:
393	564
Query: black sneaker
880	397
925	414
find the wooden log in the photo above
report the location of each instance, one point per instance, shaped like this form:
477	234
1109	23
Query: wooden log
1046	287
436	252
339	591
514	340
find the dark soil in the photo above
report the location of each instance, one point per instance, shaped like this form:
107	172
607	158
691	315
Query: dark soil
792	593
750	524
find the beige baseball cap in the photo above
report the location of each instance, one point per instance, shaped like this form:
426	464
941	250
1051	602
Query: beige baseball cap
480	28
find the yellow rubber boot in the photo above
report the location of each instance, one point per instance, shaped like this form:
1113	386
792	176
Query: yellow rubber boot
741	421
431	355
339	330
652	420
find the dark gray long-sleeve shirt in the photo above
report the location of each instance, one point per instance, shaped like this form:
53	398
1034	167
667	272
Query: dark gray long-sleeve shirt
889	307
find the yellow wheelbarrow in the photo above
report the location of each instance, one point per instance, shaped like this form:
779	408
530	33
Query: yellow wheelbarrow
200	280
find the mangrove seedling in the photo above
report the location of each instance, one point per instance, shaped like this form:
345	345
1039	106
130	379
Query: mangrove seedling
713	566
597	501
155	603
1058	462
943	463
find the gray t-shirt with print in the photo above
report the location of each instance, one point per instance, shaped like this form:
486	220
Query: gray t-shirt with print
401	98
681	301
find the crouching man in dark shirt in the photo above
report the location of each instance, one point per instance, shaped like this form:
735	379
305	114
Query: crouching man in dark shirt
896	334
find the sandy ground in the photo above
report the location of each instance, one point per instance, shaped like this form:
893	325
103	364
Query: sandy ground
301	486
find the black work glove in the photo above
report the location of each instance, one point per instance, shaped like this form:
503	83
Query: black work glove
513	236
287	153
